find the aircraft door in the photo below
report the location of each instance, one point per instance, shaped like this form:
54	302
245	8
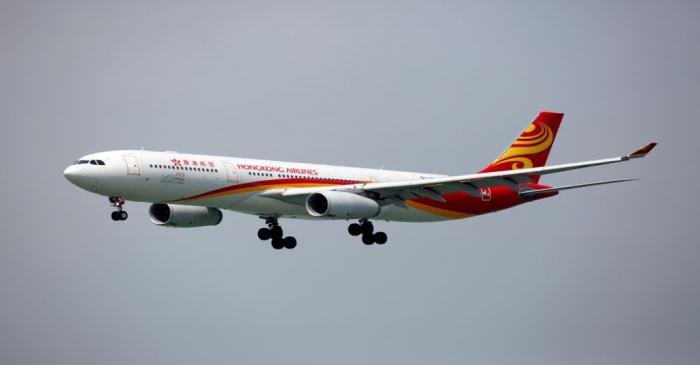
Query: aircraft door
132	165
231	173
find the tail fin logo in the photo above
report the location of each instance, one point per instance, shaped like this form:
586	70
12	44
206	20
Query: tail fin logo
536	138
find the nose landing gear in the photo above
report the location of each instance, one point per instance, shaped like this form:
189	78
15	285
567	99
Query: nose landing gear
274	232
366	229
119	214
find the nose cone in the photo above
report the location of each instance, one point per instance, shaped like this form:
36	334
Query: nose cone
72	173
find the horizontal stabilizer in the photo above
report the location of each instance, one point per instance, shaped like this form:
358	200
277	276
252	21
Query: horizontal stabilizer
560	188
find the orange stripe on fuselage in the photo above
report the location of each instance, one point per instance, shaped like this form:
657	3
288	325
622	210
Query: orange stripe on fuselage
458	205
267	185
453	214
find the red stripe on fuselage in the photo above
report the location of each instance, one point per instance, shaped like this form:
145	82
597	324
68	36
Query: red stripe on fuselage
265	184
458	202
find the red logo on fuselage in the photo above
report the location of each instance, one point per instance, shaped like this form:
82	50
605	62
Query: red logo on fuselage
280	169
485	194
177	162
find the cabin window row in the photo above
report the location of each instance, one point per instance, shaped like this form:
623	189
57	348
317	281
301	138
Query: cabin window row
186	168
285	176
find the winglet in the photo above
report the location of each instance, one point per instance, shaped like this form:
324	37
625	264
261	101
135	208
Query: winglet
642	151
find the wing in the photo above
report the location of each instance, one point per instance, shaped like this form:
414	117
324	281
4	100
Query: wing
433	188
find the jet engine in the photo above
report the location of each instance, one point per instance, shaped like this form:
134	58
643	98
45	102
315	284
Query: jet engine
341	205
171	215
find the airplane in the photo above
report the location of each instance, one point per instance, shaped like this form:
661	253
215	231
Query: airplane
190	190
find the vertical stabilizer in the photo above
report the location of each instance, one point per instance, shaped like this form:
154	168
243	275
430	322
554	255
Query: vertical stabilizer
532	148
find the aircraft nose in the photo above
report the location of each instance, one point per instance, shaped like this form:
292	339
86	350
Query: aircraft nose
71	173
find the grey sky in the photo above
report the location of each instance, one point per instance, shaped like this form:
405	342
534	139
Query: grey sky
608	275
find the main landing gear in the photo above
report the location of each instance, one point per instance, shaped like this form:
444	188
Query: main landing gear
366	229
274	232
119	214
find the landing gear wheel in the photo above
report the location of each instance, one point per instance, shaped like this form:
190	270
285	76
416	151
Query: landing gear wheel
380	238
367	239
290	242
264	234
276	232
277	243
355	229
367	227
119	214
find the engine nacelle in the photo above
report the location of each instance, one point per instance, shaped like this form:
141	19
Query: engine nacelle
341	205
171	215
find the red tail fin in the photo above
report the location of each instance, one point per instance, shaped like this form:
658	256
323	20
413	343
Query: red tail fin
532	147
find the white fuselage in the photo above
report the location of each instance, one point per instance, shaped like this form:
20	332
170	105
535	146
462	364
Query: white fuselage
189	179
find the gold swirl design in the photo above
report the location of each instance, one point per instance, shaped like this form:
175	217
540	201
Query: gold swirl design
518	162
535	139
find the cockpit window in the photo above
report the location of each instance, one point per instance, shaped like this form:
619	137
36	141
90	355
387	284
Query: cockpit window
91	162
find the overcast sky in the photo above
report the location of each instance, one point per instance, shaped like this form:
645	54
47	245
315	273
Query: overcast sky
606	275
